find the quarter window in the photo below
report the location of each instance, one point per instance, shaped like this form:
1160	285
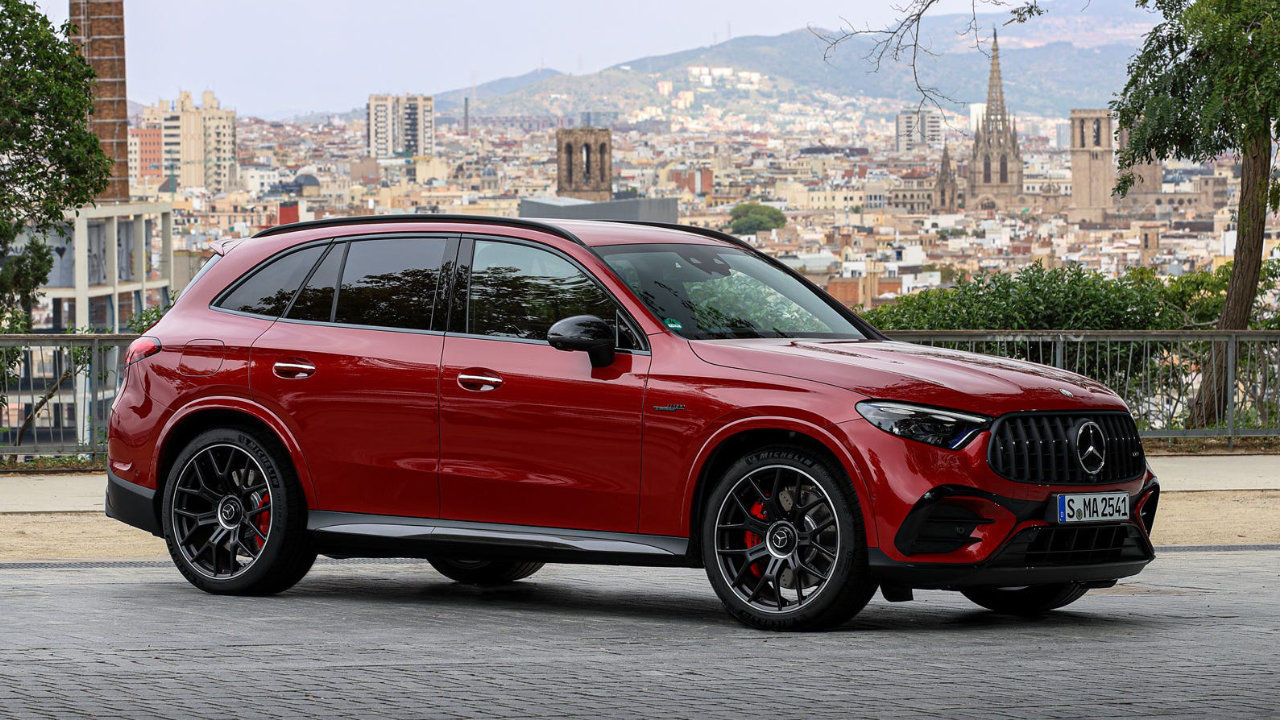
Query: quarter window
391	282
315	300
517	291
269	289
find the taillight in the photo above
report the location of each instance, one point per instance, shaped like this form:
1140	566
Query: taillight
140	349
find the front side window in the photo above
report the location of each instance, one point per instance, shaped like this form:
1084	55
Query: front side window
711	292
270	288
518	291
391	282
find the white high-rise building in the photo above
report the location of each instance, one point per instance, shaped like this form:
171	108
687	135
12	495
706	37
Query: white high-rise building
919	129
401	125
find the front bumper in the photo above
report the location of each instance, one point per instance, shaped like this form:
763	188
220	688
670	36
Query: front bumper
132	504
1037	555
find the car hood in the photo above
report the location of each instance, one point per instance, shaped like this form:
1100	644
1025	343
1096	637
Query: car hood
890	370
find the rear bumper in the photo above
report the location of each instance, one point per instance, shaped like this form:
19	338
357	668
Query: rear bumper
132	504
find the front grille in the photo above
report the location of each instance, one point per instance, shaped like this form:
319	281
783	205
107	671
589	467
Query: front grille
1040	448
1058	545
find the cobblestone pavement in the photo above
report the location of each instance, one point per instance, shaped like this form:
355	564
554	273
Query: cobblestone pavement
1195	635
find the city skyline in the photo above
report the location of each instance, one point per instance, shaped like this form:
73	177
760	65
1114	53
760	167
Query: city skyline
272	73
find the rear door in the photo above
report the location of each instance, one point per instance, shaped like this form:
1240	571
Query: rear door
353	367
532	435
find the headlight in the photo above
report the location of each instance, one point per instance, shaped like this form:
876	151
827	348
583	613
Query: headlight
941	428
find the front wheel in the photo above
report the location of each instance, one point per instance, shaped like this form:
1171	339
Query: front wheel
783	542
483	572
1027	601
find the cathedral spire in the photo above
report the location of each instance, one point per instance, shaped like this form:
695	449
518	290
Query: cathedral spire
996	114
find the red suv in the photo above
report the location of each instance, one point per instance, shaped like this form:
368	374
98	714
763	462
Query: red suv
492	394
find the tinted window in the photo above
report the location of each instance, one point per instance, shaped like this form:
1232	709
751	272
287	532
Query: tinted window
518	291
315	300
269	290
391	283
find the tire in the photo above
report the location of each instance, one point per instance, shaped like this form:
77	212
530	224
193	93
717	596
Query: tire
781	565
483	572
1027	601
234	516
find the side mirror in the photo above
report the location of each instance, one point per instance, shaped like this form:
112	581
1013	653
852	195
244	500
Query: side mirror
585	333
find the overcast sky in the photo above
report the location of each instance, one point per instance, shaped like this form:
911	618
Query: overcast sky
275	58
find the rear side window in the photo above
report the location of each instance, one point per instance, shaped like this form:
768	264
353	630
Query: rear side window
315	300
270	288
391	282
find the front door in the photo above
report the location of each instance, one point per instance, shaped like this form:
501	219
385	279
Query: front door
531	435
353	366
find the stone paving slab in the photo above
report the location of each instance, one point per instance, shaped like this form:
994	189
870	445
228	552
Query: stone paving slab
84	491
1193	636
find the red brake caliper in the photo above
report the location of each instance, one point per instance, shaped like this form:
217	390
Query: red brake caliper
752	539
264	520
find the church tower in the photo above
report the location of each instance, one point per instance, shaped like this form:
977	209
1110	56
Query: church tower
995	167
946	194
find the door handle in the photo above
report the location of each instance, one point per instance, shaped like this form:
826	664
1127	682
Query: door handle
479	383
293	369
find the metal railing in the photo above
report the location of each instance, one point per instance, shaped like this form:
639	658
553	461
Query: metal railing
58	389
57	392
1193	383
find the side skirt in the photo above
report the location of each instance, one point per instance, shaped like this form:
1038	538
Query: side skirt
342	534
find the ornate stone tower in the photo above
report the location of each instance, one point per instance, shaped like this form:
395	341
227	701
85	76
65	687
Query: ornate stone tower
584	159
1093	170
946	193
995	168
100	34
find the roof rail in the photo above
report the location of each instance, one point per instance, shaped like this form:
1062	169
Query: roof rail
705	232
421	218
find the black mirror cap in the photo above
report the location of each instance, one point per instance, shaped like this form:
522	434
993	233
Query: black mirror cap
586	333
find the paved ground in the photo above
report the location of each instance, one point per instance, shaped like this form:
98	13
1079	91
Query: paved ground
84	491
1195	635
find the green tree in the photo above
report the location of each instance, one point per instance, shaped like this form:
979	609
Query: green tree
1206	83
49	160
750	218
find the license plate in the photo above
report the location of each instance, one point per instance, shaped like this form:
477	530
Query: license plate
1093	507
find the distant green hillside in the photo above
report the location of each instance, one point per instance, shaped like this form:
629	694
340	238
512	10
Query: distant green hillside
1050	79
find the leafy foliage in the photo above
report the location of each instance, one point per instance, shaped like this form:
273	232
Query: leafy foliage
1075	299
750	218
49	159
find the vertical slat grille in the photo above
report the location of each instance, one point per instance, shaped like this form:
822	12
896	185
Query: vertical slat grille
1039	448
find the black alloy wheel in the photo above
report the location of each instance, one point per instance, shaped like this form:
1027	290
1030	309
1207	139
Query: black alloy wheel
234	516
483	572
1028	601
784	544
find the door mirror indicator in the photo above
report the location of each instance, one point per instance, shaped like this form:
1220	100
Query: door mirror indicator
586	333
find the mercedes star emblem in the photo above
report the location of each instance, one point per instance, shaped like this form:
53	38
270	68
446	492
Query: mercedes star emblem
1091	447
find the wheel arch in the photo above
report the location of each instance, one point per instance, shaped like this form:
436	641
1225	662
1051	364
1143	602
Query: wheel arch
208	413
734	440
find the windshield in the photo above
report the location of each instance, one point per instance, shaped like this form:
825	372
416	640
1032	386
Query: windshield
713	292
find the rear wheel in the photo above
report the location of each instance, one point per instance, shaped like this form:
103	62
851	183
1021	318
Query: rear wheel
1027	601
483	572
234	516
783	542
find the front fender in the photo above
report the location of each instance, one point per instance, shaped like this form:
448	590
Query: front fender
820	433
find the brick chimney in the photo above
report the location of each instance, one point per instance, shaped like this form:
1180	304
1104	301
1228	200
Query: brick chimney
100	35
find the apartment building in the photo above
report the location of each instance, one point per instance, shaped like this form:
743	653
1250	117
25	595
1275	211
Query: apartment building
198	142
401	125
146	156
919	129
